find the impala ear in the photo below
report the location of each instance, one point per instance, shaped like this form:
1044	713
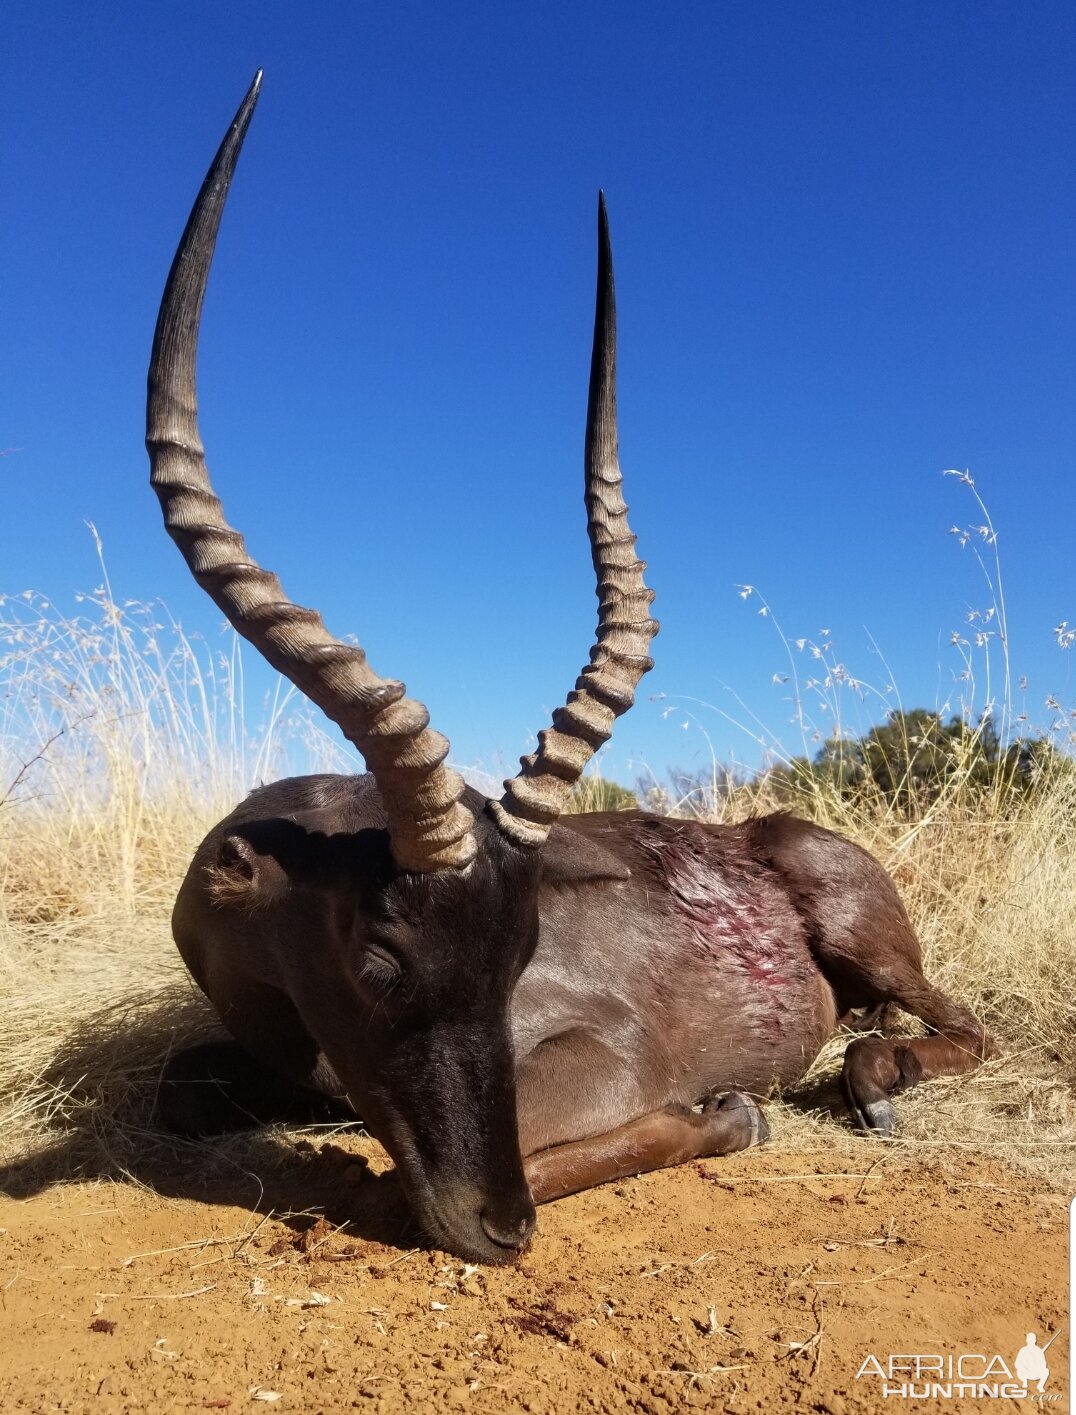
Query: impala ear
242	875
570	857
255	864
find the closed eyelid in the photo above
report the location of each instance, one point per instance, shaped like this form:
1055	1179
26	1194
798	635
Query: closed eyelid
381	969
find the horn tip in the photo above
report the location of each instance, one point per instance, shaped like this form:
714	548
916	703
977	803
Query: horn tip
604	240
246	108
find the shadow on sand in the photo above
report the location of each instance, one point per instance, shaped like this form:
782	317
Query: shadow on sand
97	1099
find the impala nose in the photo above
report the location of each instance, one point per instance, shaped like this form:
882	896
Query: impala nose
509	1231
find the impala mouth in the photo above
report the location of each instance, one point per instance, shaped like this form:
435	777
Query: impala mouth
490	1232
480	1223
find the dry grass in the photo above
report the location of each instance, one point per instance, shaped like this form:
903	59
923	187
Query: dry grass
121	741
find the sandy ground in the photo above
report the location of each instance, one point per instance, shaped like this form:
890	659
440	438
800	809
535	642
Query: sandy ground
754	1283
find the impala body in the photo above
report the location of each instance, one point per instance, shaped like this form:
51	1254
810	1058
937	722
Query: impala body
518	1003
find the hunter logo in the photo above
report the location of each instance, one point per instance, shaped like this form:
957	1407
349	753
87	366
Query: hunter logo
962	1375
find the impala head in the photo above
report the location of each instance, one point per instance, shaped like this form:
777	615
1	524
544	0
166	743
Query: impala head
434	897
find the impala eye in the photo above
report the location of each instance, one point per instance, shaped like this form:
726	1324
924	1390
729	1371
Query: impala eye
380	970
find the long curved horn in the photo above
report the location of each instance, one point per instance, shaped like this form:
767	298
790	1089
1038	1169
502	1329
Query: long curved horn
606	688
428	828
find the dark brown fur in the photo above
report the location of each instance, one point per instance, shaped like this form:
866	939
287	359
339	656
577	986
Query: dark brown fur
566	1007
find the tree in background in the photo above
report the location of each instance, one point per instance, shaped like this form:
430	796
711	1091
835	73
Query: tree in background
909	761
594	793
913	757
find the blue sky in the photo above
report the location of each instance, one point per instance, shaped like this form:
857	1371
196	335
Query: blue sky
843	237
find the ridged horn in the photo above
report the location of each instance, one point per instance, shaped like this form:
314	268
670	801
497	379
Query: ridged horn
606	687
428	828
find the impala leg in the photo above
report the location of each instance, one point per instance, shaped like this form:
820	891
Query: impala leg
866	948
217	1088
875	1068
666	1137
272	1071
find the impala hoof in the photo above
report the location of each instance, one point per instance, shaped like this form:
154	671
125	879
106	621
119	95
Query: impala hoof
878	1118
735	1105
